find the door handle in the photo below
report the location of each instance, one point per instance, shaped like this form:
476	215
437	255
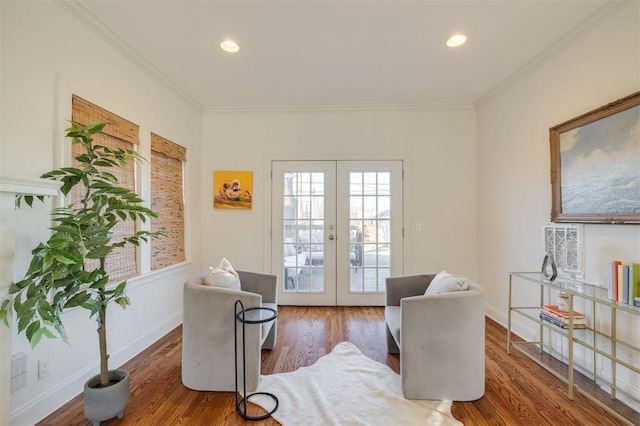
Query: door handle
331	237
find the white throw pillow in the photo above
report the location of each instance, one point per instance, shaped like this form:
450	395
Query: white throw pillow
219	278
446	283
225	265
223	276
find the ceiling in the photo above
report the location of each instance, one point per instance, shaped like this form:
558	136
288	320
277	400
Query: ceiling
328	53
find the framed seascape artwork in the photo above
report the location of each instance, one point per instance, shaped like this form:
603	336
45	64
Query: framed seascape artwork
232	189
595	165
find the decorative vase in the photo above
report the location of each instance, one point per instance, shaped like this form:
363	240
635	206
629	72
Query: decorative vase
102	404
549	271
572	252
563	302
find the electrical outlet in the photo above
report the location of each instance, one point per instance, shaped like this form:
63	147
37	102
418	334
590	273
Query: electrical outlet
44	366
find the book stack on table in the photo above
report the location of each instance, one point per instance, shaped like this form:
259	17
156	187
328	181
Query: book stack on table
555	316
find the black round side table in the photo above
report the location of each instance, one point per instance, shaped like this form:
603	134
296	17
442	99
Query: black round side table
244	317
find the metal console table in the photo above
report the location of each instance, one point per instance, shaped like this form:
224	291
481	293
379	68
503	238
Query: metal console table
598	341
244	317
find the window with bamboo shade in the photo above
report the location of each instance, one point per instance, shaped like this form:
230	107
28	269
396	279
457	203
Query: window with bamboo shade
122	263
167	199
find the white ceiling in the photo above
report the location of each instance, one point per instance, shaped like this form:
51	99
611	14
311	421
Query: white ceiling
334	52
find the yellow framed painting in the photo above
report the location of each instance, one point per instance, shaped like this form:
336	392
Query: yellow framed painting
232	189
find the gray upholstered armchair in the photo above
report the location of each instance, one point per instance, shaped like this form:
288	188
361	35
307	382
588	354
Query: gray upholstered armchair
440	339
208	326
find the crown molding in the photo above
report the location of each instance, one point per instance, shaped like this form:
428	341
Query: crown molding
332	108
79	11
597	17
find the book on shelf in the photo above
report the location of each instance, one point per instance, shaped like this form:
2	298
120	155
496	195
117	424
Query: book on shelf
625	284
634	282
558	323
613	280
610	280
620	282
624	281
562	314
576	320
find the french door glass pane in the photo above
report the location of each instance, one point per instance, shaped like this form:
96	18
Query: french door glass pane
370	231
303	227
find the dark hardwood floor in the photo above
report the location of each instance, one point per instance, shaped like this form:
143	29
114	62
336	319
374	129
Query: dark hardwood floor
518	391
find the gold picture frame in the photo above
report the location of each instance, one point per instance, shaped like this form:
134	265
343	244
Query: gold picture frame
232	189
595	165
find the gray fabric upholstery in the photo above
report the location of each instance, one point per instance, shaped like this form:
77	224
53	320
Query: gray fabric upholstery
440	339
207	332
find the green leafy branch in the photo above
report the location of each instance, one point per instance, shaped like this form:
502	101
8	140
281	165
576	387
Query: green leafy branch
58	277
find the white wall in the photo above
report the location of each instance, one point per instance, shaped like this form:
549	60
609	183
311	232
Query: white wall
514	190
47	55
436	144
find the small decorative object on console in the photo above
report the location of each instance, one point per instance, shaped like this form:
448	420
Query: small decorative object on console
563	303
549	262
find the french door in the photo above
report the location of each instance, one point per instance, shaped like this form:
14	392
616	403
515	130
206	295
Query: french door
336	230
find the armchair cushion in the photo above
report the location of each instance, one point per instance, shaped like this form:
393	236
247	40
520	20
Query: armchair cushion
393	317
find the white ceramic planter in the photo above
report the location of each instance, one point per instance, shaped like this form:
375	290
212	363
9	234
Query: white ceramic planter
102	404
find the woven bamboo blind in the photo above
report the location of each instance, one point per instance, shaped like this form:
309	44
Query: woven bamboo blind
84	112
167	199
118	133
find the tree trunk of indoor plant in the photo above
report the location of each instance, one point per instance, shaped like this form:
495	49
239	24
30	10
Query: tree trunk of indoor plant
104	356
102	336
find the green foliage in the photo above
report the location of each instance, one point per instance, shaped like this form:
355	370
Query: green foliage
58	278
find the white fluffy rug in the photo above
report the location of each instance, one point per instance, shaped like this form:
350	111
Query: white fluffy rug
345	387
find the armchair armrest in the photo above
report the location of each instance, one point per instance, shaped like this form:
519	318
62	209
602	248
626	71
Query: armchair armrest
447	330
208	337
406	286
260	283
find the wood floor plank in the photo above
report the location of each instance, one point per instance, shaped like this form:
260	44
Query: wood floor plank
518	391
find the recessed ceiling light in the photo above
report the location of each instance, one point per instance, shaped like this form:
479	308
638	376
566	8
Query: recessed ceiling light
457	40
229	46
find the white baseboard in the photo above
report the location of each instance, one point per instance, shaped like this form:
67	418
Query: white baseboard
42	406
519	326
496	314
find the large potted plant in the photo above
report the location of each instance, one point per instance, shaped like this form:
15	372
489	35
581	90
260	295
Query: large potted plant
69	270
